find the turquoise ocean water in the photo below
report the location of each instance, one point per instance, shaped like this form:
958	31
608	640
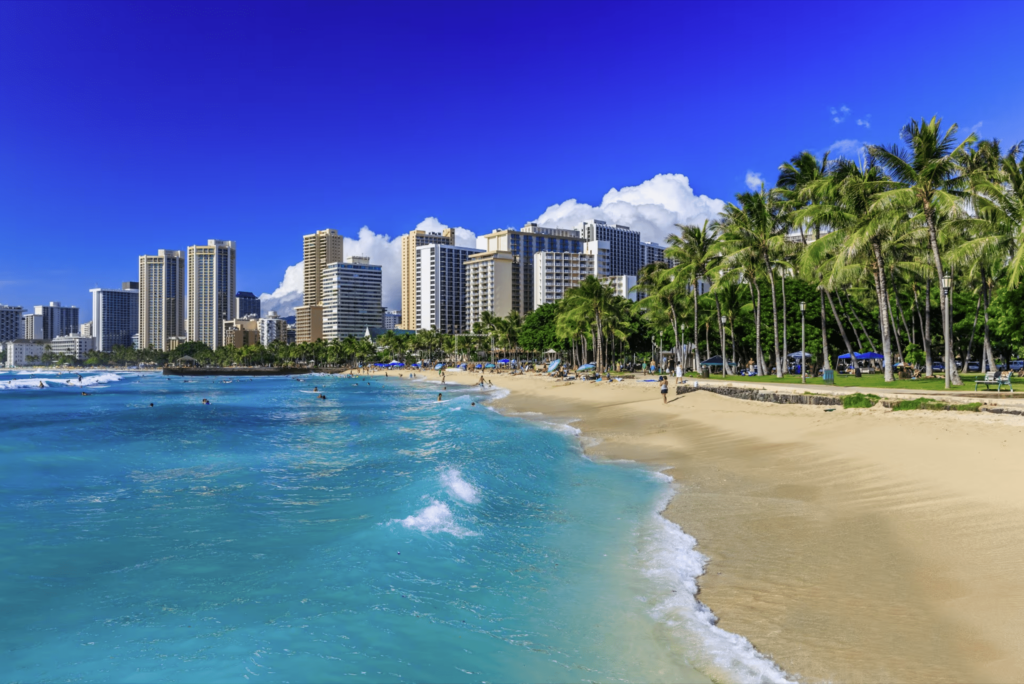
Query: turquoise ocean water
374	536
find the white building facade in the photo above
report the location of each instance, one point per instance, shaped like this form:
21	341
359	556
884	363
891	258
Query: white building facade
272	329
492	285
622	286
24	352
74	345
441	287
351	293
392	319
555	273
115	316
623	242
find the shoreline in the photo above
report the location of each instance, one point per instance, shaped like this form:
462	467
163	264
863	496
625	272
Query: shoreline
855	545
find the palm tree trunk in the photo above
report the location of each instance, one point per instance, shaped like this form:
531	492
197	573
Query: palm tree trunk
883	310
947	333
597	342
974	330
824	331
842	330
895	328
675	332
988	340
759	349
732	333
721	333
903	318
696	329
775	319
926	328
785	328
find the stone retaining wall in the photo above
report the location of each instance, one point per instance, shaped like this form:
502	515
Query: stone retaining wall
763	395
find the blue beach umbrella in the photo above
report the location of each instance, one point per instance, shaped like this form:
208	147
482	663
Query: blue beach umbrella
587	366
554	365
479	365
439	366
489	365
503	361
462	366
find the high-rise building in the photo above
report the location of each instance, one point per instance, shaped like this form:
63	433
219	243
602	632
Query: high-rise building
272	328
352	295
241	332
10	322
441	288
52	320
555	273
410	243
318	250
115	316
653	253
211	289
524	244
624	244
74	345
161	299
31	327
492	285
85	329
246	303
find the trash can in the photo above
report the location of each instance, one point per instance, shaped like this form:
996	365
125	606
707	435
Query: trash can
705	372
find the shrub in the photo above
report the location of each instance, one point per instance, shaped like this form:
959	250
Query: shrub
975	406
923	403
858	400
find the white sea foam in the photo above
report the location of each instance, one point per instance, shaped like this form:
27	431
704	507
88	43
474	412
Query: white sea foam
62	381
671	559
436	517
458	487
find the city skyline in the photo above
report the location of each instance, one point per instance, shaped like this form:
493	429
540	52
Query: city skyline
237	139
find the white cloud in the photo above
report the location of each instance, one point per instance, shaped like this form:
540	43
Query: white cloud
383	251
753	181
839	115
864	122
850	149
288	294
976	126
654	208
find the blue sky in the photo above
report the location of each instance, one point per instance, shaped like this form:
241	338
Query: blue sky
129	127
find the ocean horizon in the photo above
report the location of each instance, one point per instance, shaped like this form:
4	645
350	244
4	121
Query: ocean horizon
377	535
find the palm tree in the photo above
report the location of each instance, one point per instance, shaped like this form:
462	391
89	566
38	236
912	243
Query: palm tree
697	251
594	300
661	287
927	180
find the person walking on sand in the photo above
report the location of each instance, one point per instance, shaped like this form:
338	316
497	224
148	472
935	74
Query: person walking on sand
679	372
664	389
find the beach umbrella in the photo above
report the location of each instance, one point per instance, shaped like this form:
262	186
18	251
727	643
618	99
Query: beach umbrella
489	365
796	355
503	361
416	365
713	361
554	365
479	365
462	366
871	355
439	366
587	366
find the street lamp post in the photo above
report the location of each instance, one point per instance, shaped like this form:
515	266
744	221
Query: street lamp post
947	285
725	368
803	342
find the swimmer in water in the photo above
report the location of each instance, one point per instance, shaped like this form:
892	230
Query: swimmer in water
439	396
151	406
40	384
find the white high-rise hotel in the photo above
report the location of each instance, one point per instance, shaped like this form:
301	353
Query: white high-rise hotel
161	299
211	291
351	298
115	316
441	288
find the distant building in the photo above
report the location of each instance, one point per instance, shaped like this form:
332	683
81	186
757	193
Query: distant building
246	303
524	244
351	298
241	332
52	320
492	285
136	341
85	329
624	244
410	243
555	273
440	287
622	285
115	316
392	319
24	352
31	327
309	323
273	328
10	323
211	289
318	250
652	253
291	333
73	345
161	299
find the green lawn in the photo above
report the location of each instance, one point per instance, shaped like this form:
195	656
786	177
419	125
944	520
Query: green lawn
868	381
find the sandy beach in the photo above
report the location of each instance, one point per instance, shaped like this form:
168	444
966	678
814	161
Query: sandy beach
848	545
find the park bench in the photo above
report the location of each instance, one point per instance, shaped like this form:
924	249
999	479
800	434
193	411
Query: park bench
995	378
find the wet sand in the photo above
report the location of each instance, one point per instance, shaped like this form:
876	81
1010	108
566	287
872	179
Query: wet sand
851	545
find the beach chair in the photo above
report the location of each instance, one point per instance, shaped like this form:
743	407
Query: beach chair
999	379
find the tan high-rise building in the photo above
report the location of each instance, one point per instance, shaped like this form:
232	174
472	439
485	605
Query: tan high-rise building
211	291
492	285
161	298
410	242
319	249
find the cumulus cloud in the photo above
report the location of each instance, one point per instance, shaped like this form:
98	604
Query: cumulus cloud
864	122
383	251
839	115
653	208
753	181
847	148
976	126
288	294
